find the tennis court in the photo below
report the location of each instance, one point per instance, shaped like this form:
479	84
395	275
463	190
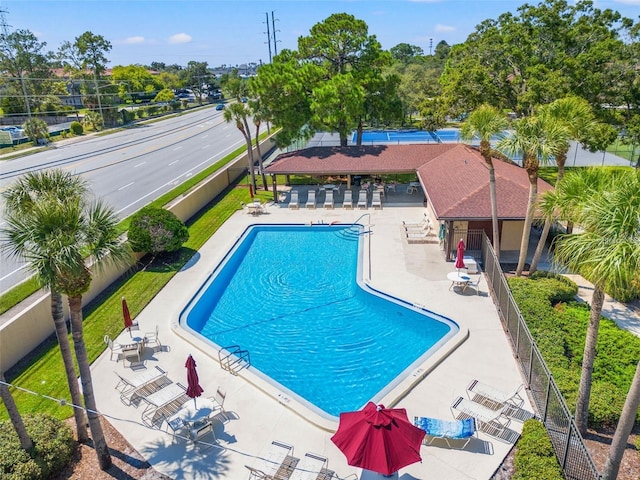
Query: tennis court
412	136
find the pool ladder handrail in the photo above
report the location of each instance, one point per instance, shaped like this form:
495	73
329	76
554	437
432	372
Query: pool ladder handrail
233	359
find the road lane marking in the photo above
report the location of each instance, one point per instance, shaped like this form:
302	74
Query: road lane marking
139	165
204	136
127	185
175	161
14	272
186	174
205	147
177	148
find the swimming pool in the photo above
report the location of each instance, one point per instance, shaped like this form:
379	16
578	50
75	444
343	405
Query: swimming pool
292	296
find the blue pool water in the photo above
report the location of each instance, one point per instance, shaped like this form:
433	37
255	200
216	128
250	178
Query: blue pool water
290	296
400	136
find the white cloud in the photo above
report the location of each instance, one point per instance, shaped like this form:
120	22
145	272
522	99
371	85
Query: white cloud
444	28
628	2
132	40
180	38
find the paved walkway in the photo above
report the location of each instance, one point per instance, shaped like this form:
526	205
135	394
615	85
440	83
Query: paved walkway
257	416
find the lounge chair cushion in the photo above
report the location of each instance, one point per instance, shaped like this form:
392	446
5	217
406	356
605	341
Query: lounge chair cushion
446	428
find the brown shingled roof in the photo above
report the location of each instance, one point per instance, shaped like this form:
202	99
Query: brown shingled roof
455	177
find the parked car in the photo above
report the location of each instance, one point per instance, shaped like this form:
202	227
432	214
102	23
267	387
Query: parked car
244	99
16	132
220	106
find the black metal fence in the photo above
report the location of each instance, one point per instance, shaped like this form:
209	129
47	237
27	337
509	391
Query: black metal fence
549	404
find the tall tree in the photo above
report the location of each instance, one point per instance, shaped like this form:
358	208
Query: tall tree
538	139
581	125
352	62
71	230
197	77
485	123
22	58
90	51
22	200
238	112
14	415
540	54
606	253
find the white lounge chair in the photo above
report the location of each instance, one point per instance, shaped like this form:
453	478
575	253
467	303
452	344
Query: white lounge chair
447	430
328	199
279	456
348	199
311	199
309	467
421	223
425	228
422	237
218	402
492	397
492	422
294	202
362	198
376	201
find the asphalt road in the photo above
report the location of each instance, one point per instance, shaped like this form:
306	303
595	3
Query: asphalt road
131	168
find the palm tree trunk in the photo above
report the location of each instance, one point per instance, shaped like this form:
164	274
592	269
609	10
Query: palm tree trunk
588	358
494	211
99	442
625	424
69	368
528	221
14	415
260	164
541	243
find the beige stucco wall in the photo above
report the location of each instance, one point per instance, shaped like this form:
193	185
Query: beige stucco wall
511	235
25	330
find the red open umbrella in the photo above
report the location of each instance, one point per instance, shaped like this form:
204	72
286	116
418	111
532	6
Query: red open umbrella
193	387
379	439
128	323
460	255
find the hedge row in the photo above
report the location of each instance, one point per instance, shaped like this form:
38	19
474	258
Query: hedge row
53	446
559	325
534	458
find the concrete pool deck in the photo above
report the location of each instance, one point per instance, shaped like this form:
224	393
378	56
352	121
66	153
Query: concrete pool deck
414	272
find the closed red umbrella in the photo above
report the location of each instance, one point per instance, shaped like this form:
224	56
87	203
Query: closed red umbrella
128	323
193	387
379	439
251	191
460	255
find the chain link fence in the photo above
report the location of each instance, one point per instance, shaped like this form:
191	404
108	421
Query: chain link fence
568	444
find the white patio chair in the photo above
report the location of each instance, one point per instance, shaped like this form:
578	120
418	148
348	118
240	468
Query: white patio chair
311	199
348	199
294	202
152	338
114	348
328	199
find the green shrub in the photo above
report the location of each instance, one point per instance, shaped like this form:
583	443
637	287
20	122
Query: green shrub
156	230
560	328
53	447
76	128
534	458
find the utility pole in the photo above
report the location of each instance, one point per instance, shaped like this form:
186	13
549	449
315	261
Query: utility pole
275	42
5	34
430	46
268	35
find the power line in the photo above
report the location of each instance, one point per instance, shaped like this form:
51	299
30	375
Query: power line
63	402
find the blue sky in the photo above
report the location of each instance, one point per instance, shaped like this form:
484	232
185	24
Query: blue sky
234	32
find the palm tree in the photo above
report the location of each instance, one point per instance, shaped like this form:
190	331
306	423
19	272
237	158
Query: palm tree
538	138
607	253
576	114
72	229
238	112
258	115
14	415
485	123
21	200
